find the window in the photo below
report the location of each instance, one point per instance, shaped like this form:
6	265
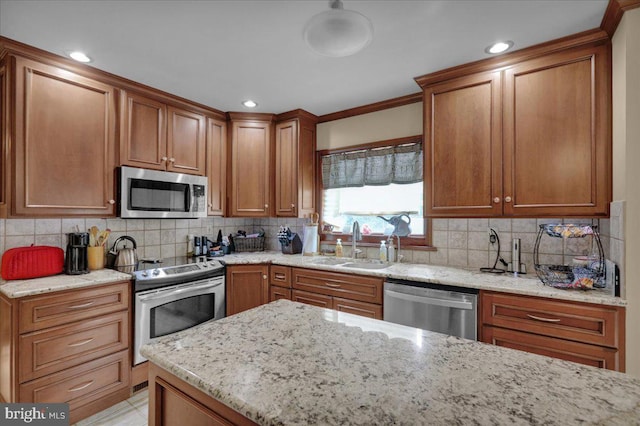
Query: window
373	184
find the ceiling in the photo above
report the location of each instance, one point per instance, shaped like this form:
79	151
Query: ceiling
219	53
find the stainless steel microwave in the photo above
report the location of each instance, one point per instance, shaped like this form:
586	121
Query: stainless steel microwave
156	194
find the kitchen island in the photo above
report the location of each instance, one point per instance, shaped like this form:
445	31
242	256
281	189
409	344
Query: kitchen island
288	363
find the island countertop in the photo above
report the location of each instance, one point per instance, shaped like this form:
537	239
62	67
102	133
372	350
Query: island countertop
289	363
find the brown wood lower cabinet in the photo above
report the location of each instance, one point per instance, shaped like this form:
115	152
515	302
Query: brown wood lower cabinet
68	346
174	402
595	356
581	332
355	294
247	287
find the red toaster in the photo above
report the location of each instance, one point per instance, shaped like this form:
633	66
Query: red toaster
32	262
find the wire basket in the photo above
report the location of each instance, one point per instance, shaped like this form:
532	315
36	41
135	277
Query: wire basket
248	244
585	276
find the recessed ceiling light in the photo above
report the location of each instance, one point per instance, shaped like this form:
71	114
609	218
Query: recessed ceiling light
249	103
79	56
499	47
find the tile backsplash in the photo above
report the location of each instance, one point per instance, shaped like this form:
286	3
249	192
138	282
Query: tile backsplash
459	242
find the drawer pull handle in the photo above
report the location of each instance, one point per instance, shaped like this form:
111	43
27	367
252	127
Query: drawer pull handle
83	386
543	319
332	285
84	305
279	276
84	342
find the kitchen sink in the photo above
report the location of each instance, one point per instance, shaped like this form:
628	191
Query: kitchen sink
366	265
329	261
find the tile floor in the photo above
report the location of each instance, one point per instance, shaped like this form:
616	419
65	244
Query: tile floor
132	412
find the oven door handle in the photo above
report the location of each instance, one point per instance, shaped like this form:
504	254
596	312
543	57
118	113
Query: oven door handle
175	291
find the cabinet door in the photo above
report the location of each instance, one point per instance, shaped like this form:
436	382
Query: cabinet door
143	139
250	168
306	203
64	143
463	174
247	287
595	356
217	165
186	142
557	137
4	137
286	169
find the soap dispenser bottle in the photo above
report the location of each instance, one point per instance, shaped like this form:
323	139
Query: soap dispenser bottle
339	252
383	251
391	252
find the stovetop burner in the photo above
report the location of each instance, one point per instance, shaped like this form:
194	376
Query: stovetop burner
149	274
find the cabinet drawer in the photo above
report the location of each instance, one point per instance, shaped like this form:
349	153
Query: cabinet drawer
82	384
44	311
280	276
586	323
595	356
312	299
276	293
355	287
358	308
55	349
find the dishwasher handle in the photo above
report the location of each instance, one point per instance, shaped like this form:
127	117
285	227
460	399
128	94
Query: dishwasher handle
448	303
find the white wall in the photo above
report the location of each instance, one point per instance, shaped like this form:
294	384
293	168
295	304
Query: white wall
376	126
626	148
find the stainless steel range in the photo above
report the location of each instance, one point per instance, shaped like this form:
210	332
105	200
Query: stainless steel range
175	294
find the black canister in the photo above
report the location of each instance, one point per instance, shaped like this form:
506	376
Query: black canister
76	262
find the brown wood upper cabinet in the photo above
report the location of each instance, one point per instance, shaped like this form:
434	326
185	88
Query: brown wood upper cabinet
217	166
295	141
532	139
63	142
250	163
158	136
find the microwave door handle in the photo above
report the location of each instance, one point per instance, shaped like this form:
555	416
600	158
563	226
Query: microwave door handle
190	199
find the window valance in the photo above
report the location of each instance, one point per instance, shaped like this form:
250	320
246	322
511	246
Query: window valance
399	164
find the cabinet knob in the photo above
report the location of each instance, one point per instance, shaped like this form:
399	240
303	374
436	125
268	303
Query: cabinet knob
163	159
496	200
266	206
293	206
112	201
172	160
210	205
264	277
507	199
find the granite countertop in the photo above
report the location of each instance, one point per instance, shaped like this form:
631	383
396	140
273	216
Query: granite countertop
287	363
528	284
21	288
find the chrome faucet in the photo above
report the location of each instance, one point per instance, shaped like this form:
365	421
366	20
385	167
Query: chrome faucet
356	236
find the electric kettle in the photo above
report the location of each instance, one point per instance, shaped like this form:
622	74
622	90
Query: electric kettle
124	257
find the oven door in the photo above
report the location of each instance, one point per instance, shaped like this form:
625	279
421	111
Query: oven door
174	308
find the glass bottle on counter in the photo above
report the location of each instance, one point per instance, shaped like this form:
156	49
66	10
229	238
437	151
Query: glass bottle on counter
339	252
383	251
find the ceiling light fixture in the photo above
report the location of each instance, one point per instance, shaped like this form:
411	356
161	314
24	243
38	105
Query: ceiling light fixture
499	47
249	103
338	32
80	56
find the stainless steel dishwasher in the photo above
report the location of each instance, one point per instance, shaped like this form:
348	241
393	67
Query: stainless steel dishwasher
445	309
